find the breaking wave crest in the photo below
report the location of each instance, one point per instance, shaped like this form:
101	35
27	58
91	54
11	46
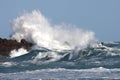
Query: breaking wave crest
35	28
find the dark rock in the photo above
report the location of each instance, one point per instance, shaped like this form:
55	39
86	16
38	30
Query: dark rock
6	45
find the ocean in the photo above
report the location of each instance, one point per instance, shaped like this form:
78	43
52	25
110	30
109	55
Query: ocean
98	63
59	53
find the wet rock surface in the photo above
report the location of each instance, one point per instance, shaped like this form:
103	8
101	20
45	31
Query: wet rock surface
6	45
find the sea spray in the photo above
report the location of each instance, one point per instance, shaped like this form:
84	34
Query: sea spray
16	53
35	28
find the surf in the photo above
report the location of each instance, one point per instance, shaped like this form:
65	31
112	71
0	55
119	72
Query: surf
57	47
35	28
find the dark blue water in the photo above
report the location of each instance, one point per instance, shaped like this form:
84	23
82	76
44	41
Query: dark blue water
91	63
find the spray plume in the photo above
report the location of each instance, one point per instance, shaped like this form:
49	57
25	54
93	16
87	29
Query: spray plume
35	28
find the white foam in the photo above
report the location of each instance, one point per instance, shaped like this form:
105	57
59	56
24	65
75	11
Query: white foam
15	53
65	74
35	28
46	57
8	64
113	51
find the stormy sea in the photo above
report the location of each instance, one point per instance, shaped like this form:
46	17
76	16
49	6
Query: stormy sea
60	52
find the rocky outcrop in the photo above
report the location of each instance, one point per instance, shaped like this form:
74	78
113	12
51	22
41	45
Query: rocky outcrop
6	45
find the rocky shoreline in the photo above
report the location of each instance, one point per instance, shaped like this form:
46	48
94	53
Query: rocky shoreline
6	45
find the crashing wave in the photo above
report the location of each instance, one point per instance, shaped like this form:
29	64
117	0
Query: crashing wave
35	28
